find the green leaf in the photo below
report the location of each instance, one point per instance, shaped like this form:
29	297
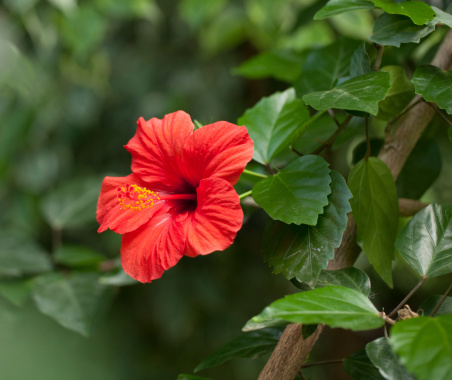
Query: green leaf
21	255
335	306
117	278
323	67
335	7
298	193
358	94
349	277
359	367
442	17
184	376
449	134
429	304
17	291
393	30
74	302
421	169
272	122
73	204
424	345
381	355
78	256
376	212
399	95
303	251
280	64
420	13
251	345
426	241
360	63
434	85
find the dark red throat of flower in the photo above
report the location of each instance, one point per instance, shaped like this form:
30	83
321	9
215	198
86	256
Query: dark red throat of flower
135	198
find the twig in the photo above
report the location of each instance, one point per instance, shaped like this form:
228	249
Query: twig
380	49
443	298
413	103
331	112
295	151
440	113
405	300
331	140
336	361
366	157
409	207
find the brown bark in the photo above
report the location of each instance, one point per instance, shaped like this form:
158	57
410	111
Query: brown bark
282	365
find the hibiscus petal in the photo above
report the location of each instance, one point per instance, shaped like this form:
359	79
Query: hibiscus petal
112	214
155	247
156	150
216	220
220	150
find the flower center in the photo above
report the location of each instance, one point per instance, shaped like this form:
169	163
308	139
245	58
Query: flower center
136	198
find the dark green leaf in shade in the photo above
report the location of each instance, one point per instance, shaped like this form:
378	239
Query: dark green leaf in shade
381	355
73	204
426	241
399	95
184	376
74	301
376	212
272	122
421	169
335	306
420	13
424	346
298	193
449	134
360	63
335	7
16	291
430	303
394	30
284	65
250	345
349	277
442	17
435	85
359	367
303	251
323	67
308	330
117	278
21	255
362	93
78	256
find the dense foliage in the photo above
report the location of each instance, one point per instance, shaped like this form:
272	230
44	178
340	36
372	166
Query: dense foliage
322	87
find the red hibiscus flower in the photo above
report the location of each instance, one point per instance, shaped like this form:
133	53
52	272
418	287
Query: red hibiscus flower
179	199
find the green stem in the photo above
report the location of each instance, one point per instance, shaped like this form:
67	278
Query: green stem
244	195
405	300
254	174
443	298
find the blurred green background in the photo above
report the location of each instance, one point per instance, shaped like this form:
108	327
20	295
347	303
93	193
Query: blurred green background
74	78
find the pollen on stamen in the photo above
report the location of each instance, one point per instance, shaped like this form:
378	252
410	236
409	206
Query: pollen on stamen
136	198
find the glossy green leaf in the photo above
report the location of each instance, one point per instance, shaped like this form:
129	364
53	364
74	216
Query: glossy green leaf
323	67
298	193
21	255
435	85
335	7
376	212
359	367
424	346
430	303
73	204
335	306
16	291
426	241
420	13
280	64
381	355
360	63
349	277
421	169
399	95
442	17
394	30
78	256
303	251
272	122
361	93
251	345
74	301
